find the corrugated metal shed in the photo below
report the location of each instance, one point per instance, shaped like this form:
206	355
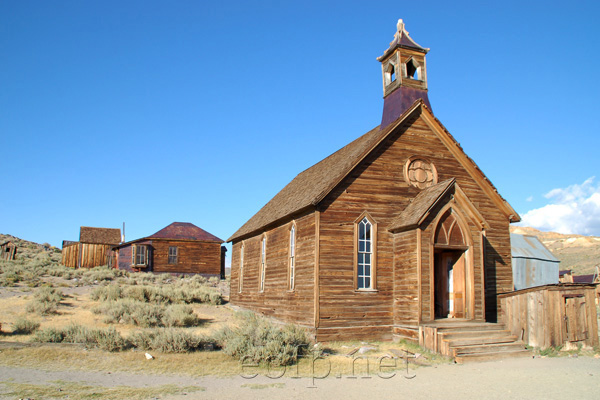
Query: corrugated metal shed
533	264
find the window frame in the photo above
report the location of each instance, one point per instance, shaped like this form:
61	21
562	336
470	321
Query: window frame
137	255
176	255
263	264
373	254
292	257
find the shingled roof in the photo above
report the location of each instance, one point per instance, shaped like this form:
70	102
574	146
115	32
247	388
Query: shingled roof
419	208
92	235
311	186
184	231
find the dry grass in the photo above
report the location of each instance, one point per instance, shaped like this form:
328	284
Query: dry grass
81	391
59	357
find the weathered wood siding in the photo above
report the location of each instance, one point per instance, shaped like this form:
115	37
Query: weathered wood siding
378	186
86	255
552	315
277	300
124	256
193	257
406	283
8	251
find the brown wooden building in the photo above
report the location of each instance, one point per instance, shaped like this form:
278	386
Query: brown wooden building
8	250
180	248
95	248
398	229
553	315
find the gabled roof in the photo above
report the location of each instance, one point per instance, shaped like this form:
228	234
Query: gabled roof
402	39
309	187
526	246
418	210
184	231
312	185
92	235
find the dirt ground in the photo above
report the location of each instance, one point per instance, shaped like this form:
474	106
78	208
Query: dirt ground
525	378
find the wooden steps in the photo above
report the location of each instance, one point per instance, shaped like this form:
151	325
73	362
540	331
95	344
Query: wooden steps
474	341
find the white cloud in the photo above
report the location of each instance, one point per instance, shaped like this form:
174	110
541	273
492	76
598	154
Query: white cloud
574	209
529	199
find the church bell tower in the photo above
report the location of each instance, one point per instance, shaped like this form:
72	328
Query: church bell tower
404	74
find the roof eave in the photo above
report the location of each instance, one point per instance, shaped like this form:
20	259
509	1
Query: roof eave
392	127
474	169
263	228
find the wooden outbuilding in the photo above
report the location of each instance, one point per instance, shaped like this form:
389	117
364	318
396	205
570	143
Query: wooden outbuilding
94	248
552	315
180	248
8	250
395	231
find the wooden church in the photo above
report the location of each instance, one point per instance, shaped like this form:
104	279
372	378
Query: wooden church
393	232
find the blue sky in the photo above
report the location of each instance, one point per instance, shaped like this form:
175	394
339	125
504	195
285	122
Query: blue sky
149	112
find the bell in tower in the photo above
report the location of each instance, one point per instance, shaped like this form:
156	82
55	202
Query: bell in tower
404	75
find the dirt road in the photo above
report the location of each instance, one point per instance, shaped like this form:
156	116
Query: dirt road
539	378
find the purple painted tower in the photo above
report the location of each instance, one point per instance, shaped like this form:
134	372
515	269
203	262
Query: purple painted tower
404	75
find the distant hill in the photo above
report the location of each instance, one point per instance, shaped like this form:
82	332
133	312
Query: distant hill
29	250
578	253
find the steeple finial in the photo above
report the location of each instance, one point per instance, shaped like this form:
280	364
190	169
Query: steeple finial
400	26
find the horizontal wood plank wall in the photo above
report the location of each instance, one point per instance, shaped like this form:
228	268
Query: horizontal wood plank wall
421	140
378	186
406	287
193	257
277	300
124	258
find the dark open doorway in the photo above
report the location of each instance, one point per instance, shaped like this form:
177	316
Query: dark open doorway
449	284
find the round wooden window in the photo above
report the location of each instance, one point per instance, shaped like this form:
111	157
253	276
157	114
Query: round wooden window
420	173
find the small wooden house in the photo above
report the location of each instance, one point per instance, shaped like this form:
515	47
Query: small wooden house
8	250
180	248
395	231
553	315
95	248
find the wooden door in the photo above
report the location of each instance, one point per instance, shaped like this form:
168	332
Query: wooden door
574	325
458	285
450	284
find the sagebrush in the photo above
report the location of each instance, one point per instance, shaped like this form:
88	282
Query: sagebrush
261	341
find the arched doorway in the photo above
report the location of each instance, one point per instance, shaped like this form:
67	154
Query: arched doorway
450	269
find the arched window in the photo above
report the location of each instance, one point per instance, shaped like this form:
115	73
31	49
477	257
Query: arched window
292	260
263	263
241	277
365	252
413	70
390	74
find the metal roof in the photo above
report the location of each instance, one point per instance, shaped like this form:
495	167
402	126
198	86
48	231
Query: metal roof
525	246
